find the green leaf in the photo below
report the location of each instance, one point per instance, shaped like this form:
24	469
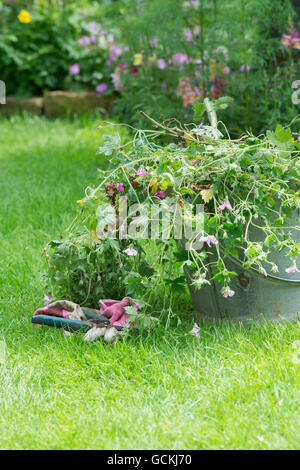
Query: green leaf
199	110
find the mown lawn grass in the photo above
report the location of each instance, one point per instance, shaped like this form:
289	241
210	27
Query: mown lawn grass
235	388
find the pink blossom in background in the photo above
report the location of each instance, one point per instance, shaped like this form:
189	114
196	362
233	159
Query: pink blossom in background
194	162
101	88
93	26
120	187
130	252
225	205
164	85
84	41
117	50
74	69
84	13
112	57
103	32
188	34
291	40
141	172
134	70
161	64
93	38
180	59
153	42
210	239
245	67
226	292
159	195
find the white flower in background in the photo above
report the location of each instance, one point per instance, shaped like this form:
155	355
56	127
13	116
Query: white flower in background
195	331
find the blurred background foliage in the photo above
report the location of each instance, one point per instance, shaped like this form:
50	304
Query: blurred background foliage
159	56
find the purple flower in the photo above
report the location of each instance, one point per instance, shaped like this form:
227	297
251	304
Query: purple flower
117	50
112	57
103	32
245	67
180	59
93	38
153	42
194	162
159	195
210	239
195	331
292	269
93	26
101	88
226	292
161	64
130	252
188	34
225	205
141	172
84	41
136	306
120	187
74	69
47	300
164	85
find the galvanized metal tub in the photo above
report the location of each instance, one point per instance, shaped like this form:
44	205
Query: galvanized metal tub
274	298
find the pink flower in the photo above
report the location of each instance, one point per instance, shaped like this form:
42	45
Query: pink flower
210	239
101	88
84	41
161	64
194	162
292	269
180	59
226	292
74	69
225	205
245	67
142	172
164	85
117	50
134	70
130	252
195	331
159	195
120	187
